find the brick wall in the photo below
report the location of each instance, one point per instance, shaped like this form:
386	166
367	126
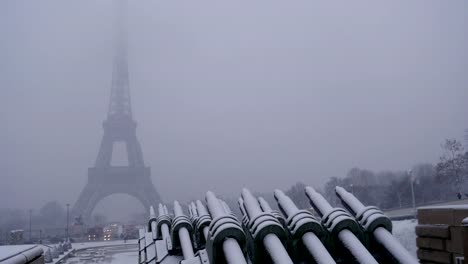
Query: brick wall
441	235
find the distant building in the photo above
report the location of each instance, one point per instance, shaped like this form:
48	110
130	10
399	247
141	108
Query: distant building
94	233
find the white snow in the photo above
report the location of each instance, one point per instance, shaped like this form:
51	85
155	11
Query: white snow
317	249
354	246
397	250
404	232
9	251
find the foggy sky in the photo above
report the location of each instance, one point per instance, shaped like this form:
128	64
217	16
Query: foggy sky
230	93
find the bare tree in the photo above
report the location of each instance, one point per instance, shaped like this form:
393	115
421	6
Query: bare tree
453	165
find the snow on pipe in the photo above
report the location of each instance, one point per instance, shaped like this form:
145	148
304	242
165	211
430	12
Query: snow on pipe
233	253
340	224
353	244
201	208
245	216
161	210
264	205
320	204
204	220
265	221
214	206
225	206
224	224
152	223
163	223
305	227
376	223
180	226
250	204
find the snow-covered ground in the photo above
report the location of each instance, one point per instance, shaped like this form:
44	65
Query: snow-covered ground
404	231
115	254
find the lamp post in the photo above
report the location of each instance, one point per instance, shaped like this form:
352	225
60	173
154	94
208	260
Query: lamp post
410	173
30	213
68	206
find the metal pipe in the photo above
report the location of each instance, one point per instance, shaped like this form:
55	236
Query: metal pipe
225	206
231	248
323	207
317	249
359	252
382	235
312	243
271	242
347	238
393	246
285	203
153	223
264	205
206	230
165	231
276	249
201	208
184	236
233	252
186	243
250	203
161	210
214	206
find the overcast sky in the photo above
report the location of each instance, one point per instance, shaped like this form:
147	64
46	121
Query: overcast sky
230	93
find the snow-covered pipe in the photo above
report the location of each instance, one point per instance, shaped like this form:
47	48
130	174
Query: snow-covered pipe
305	227
226	230
152	223
265	229
250	203
245	216
186	243
232	252
264	205
376	223
201	208
181	226
214	206
225	206
319	203
203	220
276	249
341	225
163	225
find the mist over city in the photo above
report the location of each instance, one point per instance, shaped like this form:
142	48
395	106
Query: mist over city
370	96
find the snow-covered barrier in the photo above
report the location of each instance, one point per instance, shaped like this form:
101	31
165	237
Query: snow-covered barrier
212	234
21	254
442	234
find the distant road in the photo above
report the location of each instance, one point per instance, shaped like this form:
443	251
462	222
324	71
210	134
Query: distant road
406	213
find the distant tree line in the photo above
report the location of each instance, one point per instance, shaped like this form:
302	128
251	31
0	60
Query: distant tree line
445	180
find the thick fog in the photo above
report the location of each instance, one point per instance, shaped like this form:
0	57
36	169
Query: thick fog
229	93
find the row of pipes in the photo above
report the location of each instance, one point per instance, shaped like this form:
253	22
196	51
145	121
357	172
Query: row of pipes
213	234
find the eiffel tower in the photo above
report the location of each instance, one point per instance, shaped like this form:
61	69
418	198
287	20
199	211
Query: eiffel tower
105	179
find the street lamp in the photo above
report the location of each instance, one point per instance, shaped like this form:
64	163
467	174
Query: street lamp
30	213
68	206
411	178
